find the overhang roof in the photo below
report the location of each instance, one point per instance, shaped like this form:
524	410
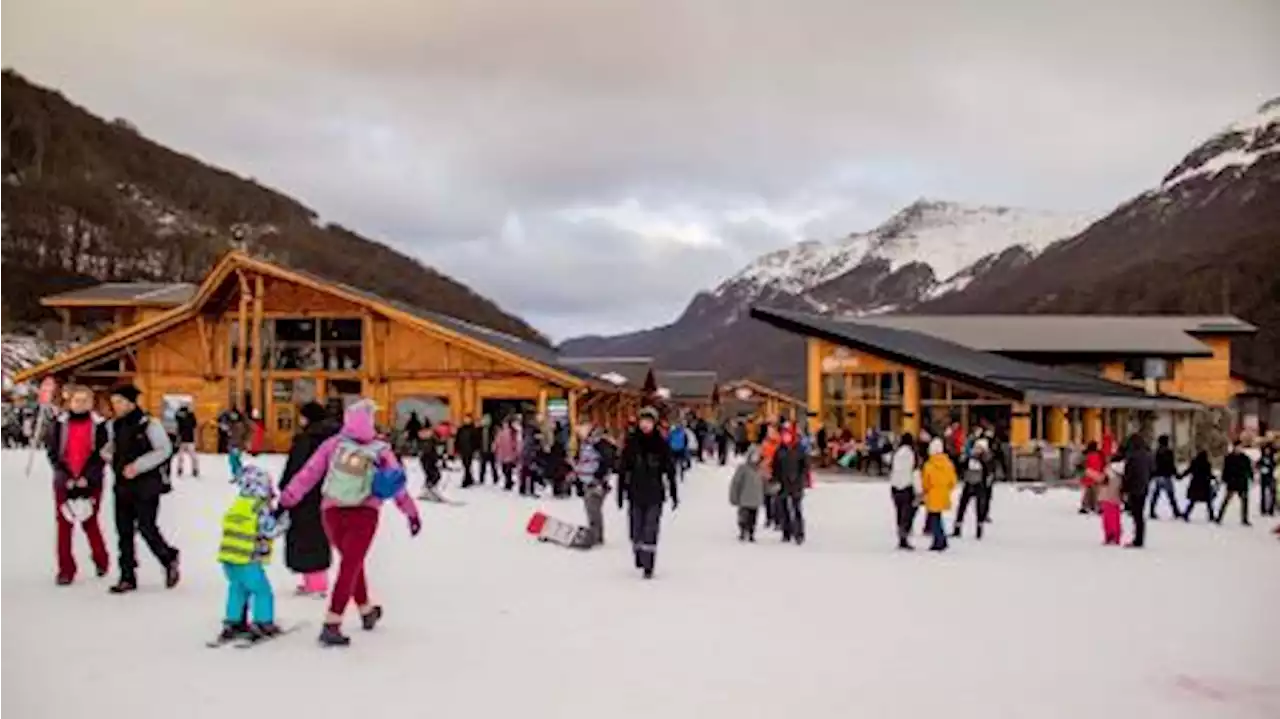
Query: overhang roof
542	360
1011	378
124	294
621	371
686	384
1149	335
729	389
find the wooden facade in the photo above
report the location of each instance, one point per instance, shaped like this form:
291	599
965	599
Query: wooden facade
208	350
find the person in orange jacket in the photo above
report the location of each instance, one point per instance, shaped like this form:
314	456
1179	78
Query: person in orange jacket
768	448
937	480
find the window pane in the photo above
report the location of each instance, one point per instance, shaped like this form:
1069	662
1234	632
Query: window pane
341	330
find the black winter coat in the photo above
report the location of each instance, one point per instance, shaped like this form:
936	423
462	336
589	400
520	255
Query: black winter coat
306	548
1200	488
133	436
1138	466
1237	470
647	470
1165	466
790	469
467	441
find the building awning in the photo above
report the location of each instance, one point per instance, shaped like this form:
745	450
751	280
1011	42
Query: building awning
1154	403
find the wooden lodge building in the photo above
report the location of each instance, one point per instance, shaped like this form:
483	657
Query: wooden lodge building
1052	379
267	338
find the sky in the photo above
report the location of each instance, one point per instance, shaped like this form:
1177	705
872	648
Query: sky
591	164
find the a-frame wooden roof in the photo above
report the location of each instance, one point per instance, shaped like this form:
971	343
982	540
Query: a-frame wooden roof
731	387
528	356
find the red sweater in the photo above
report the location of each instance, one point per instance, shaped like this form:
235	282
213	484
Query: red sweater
78	447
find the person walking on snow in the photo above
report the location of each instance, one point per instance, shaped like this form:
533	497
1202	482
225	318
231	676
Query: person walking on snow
1200	486
746	492
506	451
977	485
186	421
74	445
1108	486
1267	480
678	439
1237	472
937	480
647	473
248	530
1138	467
306	548
790	473
904	488
140	450
1165	472
488	461
1095	471
344	466
467	443
591	470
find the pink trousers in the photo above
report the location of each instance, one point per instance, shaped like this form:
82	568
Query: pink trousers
1110	522
314	582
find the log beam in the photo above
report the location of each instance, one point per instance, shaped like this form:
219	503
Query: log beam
258	293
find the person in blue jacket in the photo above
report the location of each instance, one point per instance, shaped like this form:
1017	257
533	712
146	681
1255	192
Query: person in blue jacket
678	440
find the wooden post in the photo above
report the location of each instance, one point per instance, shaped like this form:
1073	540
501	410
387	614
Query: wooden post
572	399
813	368
1093	425
911	400
244	343
542	402
1020	427
66	323
206	355
256	391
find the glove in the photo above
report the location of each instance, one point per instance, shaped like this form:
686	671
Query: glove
415	526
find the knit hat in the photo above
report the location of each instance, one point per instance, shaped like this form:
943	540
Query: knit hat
313	412
649	413
935	446
254	482
126	391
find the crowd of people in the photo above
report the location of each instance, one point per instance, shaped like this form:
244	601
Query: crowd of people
339	471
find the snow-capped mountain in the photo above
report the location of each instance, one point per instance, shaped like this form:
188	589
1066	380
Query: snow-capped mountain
1204	238
950	240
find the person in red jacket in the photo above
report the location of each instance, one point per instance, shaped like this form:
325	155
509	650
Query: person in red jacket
74	446
257	435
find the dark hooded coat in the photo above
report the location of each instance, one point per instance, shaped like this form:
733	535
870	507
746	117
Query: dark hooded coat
306	547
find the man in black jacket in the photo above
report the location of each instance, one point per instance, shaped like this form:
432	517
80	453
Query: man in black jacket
1138	467
140	451
647	473
790	473
1237	472
466	442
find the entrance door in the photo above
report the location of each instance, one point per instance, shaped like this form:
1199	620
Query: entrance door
287	395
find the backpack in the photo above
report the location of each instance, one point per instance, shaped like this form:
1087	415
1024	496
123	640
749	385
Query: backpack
349	480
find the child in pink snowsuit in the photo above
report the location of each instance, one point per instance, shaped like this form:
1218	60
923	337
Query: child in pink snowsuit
350	524
1109	505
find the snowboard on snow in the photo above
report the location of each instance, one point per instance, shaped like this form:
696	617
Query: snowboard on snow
549	529
248	642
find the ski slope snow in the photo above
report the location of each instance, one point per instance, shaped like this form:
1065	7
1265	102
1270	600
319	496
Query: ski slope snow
1038	620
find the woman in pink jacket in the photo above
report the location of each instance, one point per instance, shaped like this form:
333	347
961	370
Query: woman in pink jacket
506	450
346	463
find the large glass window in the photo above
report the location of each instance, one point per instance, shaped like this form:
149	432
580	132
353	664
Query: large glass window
308	343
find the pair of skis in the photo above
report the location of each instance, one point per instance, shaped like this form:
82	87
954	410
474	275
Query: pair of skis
248	641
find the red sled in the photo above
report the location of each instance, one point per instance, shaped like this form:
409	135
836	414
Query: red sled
549	529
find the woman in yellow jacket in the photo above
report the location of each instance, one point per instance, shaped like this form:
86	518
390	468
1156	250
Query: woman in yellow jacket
937	480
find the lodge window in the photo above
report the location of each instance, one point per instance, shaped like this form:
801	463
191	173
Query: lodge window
307	344
1141	368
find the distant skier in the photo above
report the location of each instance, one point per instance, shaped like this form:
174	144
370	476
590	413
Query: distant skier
345	467
248	530
647	473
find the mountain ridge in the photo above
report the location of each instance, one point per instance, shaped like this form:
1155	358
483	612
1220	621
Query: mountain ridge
88	200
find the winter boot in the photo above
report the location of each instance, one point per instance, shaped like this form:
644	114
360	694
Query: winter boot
979	535
905	546
648	572
231	631
331	636
369	620
124	586
64	579
957	533
171	574
264	630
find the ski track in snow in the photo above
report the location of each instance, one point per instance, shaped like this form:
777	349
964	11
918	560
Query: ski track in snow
1038	620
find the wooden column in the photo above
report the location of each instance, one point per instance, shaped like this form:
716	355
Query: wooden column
571	396
1058	431
542	402
911	400
813	383
1092	425
244	343
1020	427
256	390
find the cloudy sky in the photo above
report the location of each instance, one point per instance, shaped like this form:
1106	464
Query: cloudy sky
591	163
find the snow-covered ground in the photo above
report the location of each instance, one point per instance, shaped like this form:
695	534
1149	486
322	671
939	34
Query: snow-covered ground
1038	620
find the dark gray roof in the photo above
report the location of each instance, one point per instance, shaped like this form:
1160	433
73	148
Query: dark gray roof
532	351
630	370
1071	334
1002	375
160	294
682	384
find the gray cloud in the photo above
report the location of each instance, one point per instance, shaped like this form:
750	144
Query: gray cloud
645	149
